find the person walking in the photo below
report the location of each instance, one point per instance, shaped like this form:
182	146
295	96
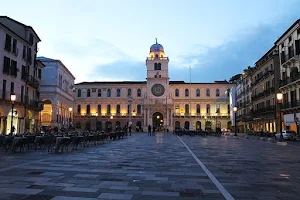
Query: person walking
149	130
129	130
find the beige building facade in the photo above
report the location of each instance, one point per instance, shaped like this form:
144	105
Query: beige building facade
20	76
156	102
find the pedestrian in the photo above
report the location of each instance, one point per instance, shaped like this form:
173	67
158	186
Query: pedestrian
153	130
129	128
149	130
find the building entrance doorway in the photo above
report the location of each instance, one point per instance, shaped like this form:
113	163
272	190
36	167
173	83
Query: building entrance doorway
158	121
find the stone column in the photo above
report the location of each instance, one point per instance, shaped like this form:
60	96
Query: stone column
22	125
2	125
172	124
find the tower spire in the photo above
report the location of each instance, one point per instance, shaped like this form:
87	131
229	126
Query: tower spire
156	40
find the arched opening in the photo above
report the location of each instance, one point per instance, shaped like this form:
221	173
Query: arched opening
139	92
158	66
118	126
217	92
12	122
208	125
139	109
177	92
79	93
118	92
138	126
186	125
108	127
46	114
198	125
129	92
186	92
158	120
198	109
207	92
29	122
98	126
187	109
198	92
177	125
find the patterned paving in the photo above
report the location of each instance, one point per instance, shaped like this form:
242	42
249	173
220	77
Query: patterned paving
158	167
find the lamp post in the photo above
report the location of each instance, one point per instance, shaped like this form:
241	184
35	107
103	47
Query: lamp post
205	123
70	119
12	99
279	97
111	117
96	120
235	110
129	102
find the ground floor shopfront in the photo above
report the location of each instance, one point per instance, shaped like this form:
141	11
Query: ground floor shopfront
264	125
291	121
20	119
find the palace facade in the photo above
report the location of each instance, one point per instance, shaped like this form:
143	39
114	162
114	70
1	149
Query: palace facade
157	101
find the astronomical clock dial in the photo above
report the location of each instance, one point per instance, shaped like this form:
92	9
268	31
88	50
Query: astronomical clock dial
158	90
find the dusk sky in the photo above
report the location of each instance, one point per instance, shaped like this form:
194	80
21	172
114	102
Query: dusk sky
110	40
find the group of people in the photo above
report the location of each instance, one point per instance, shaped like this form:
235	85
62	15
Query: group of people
151	128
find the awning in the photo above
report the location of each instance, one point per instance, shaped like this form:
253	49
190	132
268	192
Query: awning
289	120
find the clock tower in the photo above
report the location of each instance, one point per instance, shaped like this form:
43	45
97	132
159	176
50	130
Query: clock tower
157	73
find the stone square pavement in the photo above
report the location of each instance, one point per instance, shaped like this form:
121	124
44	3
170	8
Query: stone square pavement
160	167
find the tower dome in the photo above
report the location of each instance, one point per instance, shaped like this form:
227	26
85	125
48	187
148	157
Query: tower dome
156	47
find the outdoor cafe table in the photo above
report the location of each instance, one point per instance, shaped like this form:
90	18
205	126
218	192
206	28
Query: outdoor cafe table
59	142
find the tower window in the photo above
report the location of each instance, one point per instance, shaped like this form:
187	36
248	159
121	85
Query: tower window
156	55
155	66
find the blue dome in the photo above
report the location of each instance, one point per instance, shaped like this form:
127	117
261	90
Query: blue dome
156	47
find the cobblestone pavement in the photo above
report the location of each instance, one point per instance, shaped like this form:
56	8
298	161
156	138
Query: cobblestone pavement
157	167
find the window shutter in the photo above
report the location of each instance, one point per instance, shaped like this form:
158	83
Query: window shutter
297	42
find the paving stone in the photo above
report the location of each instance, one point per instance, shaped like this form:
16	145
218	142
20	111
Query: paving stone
22	191
79	189
156	193
115	196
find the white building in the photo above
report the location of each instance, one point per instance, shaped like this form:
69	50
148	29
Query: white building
157	101
20	75
57	93
289	51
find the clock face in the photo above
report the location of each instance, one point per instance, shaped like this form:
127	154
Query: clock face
158	90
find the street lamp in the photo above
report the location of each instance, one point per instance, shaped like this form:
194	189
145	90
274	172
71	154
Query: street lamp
279	97
70	119
12	99
235	110
205	123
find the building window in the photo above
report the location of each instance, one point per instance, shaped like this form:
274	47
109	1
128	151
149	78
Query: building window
139	92
6	66
118	109
187	108
78	109
129	92
7	43
155	66
208	92
218	108
139	108
198	92
108	109
108	93
31	38
99	109
217	92
118	92
79	93
88	93
13	68
207	108
186	92
99	92
24	52
88	109
177	109
198	108
176	92
14	50
158	66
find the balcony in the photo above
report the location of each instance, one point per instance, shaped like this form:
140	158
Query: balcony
290	58
289	82
157	58
201	115
33	82
291	105
264	111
